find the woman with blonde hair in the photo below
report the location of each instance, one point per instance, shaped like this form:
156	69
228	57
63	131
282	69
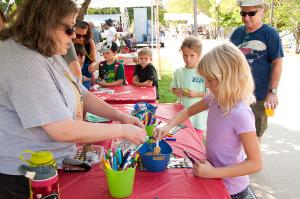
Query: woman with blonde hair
231	144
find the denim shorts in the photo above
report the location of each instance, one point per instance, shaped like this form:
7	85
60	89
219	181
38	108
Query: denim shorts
245	194
261	119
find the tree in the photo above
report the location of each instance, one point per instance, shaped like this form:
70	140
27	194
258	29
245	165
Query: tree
287	18
187	6
83	9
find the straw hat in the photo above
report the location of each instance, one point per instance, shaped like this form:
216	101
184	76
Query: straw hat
244	3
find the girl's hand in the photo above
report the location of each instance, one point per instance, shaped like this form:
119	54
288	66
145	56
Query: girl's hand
134	134
204	169
161	132
178	91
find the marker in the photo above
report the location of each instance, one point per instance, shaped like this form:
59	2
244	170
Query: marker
170	139
124	159
120	155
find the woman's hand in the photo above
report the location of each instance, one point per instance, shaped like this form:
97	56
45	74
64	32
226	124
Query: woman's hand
91	67
134	134
161	132
204	169
129	119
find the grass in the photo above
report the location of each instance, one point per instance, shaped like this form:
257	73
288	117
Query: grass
166	74
166	96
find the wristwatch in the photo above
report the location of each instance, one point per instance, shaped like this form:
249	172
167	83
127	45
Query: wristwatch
273	90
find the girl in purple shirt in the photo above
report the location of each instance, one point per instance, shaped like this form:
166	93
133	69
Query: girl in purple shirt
231	144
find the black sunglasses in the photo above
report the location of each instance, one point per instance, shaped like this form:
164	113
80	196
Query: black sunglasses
70	30
250	14
78	36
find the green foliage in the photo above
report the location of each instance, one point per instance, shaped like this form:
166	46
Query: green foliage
286	15
92	11
187	6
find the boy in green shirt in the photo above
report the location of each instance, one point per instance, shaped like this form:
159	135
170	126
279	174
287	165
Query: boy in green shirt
111	72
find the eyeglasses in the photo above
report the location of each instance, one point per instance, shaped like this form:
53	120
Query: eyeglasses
69	30
78	36
250	14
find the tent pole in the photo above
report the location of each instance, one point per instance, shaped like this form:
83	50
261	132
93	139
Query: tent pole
195	18
157	37
152	25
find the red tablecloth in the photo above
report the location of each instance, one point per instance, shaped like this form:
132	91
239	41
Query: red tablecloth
172	183
128	94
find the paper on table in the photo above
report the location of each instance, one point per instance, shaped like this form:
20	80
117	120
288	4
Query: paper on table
94	118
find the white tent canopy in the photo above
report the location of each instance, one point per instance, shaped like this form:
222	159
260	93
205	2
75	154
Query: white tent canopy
119	3
202	19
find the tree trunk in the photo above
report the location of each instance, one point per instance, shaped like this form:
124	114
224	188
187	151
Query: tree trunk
83	9
297	37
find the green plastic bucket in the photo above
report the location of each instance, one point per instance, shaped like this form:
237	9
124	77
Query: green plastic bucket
120	183
150	130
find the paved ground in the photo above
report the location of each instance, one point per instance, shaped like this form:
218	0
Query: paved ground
280	177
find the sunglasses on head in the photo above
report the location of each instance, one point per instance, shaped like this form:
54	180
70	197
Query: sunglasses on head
250	14
78	36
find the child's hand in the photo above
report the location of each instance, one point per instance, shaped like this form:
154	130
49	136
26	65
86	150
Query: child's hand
204	169
102	82
161	132
148	83
178	91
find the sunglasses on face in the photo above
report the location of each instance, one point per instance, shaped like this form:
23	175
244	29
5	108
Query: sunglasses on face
250	14
69	30
79	36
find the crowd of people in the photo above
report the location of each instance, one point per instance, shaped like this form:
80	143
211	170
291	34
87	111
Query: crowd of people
47	68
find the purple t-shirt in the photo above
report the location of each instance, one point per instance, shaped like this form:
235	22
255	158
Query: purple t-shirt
223	144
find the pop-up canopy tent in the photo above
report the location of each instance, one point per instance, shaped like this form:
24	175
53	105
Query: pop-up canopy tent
119	3
202	19
133	3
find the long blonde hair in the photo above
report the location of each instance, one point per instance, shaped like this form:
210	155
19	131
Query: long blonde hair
227	64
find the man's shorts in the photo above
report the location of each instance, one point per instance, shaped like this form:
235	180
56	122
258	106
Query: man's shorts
261	119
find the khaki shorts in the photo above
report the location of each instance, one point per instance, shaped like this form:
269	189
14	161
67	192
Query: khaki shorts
261	119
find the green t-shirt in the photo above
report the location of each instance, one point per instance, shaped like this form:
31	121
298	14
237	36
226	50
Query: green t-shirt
189	79
112	72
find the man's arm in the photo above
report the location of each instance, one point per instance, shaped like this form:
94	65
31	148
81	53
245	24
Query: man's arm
272	99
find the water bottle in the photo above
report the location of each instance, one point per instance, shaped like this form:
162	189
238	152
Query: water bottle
43	181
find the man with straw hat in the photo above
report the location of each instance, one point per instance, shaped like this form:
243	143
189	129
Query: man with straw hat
262	47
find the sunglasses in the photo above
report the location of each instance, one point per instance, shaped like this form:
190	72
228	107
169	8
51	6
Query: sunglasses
250	14
69	30
78	36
